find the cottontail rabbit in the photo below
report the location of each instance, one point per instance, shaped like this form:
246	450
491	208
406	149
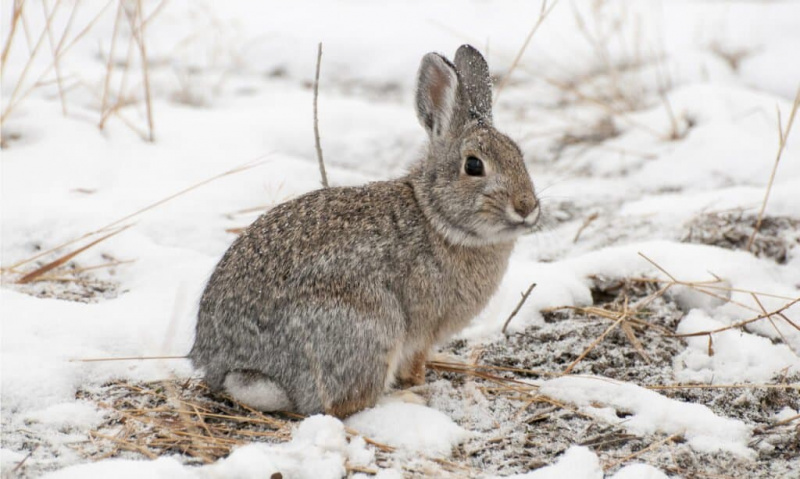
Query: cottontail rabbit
327	300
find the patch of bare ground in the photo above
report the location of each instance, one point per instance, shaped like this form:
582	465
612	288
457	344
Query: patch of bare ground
490	393
72	282
519	432
776	236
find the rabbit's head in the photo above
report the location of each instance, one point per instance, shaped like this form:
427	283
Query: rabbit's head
473	184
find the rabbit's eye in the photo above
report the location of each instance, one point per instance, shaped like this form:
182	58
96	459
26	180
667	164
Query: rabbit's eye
473	166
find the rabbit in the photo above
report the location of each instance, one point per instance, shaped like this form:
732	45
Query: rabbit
329	300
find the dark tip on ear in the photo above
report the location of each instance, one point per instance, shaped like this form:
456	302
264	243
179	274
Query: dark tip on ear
476	82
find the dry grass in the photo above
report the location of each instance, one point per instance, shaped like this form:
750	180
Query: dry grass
543	13
783	135
165	417
19	93
16	274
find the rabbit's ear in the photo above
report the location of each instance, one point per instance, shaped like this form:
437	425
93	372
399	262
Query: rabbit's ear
476	84
436	93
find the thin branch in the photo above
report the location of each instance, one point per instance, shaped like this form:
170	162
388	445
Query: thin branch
63	259
740	323
519	305
589	219
110	66
543	13
138	35
61	52
129	358
56	63
655	445
15	17
316	120
27	66
111	225
783	136
596	342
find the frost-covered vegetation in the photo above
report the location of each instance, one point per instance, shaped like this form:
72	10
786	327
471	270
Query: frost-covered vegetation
662	338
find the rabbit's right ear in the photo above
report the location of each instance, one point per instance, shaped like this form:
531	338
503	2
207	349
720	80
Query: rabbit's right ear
436	94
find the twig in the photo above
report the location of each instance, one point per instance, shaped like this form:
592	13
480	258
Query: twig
15	16
62	50
772	322
110	66
655	445
54	51
22	462
519	305
543	13
585	224
316	120
659	387
111	225
10	105
63	259
782	135
740	323
129	358
622	317
138	35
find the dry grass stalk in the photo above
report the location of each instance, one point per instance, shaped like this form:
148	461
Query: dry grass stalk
110	65
21	463
606	106
519	305
56	64
316	120
638	453
15	18
589	219
703	287
21	80
772	322
597	340
65	258
183	419
783	135
658	387
127	217
621	318
740	324
136	21
543	13
128	358
61	49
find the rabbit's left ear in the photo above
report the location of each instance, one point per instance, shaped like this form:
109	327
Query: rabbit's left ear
476	84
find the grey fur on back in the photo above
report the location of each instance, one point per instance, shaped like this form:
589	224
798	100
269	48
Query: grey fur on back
333	294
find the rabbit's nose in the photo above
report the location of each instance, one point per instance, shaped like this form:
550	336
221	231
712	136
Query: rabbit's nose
524	205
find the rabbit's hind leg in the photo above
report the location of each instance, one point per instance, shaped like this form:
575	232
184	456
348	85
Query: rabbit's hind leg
412	371
257	391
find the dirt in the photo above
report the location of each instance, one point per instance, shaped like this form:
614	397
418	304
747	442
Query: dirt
776	236
70	282
514	434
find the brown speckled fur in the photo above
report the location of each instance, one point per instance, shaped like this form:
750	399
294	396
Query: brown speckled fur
317	293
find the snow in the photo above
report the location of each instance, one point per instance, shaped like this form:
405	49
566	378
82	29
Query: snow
318	449
650	412
577	462
411	427
230	87
737	356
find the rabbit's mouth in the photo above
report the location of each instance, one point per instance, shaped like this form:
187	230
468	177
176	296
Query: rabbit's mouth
516	223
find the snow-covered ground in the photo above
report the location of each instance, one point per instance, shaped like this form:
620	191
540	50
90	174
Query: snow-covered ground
650	131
